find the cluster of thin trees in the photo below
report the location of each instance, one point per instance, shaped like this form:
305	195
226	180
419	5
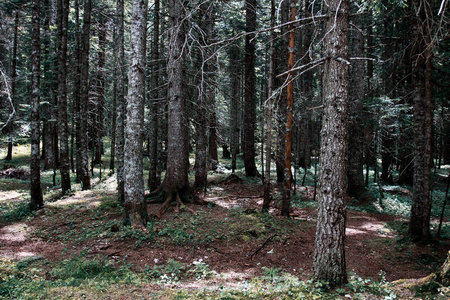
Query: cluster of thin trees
342	81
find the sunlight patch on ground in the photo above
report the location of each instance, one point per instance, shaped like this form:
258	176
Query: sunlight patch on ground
369	227
83	197
10	196
15	232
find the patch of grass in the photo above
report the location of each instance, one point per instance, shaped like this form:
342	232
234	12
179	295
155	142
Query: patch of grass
172	271
14	211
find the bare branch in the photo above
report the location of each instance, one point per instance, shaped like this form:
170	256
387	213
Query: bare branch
8	93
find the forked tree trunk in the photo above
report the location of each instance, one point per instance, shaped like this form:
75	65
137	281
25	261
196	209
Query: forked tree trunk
36	200
135	212
329	253
63	12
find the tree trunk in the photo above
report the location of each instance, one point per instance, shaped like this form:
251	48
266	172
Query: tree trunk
99	128
234	103
419	225
154	177
290	117
356	187
36	200
76	95
250	91
329	254
268	109
206	23
120	114
84	96
63	12
281	109
176	180
135	212
112	159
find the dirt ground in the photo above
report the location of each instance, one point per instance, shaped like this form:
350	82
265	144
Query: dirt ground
371	245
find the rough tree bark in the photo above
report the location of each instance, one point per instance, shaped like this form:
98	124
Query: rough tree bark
135	212
176	181
204	62
419	224
36	200
329	253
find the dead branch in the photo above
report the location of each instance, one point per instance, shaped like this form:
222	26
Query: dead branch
262	246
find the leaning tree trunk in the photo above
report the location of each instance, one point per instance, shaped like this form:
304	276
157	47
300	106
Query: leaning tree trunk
176	181
135	212
329	253
63	12
36	200
250	91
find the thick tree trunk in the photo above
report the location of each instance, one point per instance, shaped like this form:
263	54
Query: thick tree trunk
120	114
419	225
135	212
356	187
36	200
176	180
329	254
206	24
250	91
63	12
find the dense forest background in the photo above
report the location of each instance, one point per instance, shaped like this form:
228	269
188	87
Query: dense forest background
355	91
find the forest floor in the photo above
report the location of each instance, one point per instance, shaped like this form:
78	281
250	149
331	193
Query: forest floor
76	247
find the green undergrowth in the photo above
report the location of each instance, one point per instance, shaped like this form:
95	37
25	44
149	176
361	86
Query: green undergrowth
85	276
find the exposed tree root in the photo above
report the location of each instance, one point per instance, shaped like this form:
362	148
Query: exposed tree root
177	198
